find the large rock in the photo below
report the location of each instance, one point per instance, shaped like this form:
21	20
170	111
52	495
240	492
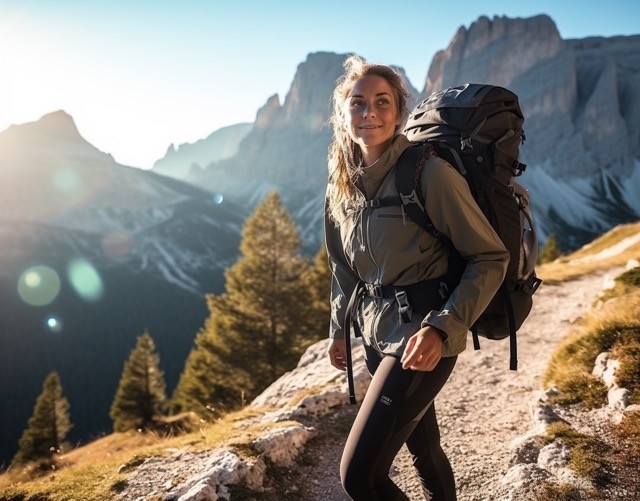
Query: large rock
314	387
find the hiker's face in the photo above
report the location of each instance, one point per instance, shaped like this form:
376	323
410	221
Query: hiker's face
371	113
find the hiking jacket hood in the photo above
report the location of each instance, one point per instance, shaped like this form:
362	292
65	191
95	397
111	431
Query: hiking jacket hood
383	246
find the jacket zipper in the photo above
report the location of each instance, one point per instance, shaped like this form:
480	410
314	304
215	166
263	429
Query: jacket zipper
368	245
379	301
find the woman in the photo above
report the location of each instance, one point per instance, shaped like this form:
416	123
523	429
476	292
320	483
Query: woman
377	250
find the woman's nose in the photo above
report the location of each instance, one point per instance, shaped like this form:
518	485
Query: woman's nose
369	111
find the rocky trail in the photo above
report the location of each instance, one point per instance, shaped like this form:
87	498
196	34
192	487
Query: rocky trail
484	407
486	413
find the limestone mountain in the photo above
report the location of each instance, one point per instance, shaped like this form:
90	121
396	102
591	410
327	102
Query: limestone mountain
287	148
581	103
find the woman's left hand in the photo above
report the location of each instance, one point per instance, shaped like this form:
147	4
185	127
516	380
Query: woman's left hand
423	350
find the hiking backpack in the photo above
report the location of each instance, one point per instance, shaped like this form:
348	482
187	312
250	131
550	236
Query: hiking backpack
478	130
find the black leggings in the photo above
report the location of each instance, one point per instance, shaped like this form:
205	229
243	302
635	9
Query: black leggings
397	408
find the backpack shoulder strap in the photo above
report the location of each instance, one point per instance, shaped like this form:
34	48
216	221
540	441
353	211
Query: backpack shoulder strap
408	171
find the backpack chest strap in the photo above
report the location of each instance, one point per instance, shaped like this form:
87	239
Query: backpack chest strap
383	202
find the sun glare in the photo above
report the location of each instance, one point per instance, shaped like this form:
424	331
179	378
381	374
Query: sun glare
28	64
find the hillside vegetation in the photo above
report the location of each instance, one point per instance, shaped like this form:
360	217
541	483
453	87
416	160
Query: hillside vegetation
99	470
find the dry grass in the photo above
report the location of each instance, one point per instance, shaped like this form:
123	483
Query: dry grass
97	471
587	453
593	257
615	328
548	491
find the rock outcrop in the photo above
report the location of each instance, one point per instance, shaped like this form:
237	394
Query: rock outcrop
313	389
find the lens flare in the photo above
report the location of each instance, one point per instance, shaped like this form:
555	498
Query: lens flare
39	285
53	324
85	280
32	279
218	198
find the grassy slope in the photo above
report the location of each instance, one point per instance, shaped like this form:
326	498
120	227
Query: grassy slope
613	325
97	471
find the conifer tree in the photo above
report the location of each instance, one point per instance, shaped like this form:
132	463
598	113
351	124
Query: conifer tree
550	250
49	425
319	285
258	328
140	396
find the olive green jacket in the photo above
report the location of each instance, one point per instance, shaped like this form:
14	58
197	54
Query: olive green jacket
387	248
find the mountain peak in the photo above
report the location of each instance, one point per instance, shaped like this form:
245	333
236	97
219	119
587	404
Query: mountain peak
494	51
56	125
53	132
59	123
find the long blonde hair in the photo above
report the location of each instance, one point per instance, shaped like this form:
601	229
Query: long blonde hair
345	156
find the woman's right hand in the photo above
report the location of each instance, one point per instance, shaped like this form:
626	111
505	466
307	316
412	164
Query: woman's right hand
338	354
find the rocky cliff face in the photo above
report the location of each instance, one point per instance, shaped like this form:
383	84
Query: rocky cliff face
288	143
500	48
287	149
581	101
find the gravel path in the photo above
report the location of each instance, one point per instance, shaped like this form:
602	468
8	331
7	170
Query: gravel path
482	409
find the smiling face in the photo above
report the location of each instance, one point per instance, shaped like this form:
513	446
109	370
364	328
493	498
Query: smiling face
372	116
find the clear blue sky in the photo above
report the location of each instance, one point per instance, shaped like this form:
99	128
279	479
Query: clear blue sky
139	75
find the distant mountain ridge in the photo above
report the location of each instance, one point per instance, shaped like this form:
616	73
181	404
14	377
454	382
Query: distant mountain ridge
220	144
581	103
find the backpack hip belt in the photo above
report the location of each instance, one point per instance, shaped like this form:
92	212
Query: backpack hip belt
420	297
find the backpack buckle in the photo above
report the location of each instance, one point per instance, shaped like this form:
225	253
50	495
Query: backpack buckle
530	285
374	290
465	145
404	308
411	198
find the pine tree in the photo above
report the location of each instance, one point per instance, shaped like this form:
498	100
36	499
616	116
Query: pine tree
140	397
49	425
550	251
258	328
318	282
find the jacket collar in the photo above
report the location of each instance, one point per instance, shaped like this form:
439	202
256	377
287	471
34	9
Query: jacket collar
372	176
